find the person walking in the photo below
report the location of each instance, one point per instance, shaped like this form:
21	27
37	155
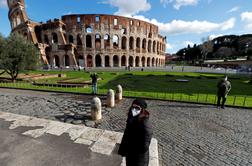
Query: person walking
224	86
137	135
94	83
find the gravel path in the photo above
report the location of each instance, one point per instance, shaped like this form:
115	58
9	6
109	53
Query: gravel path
188	134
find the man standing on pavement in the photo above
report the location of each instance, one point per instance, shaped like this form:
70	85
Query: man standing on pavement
224	86
94	83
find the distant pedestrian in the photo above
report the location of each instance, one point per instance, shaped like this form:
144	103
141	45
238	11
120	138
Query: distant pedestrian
94	78
129	67
224	86
137	135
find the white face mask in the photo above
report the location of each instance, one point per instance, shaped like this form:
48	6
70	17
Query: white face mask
135	111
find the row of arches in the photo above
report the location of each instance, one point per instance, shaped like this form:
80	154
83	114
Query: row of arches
107	42
105	61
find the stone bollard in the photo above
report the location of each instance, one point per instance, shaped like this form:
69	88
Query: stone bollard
118	95
110	98
96	112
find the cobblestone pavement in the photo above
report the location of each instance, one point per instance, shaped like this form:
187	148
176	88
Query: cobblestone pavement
188	134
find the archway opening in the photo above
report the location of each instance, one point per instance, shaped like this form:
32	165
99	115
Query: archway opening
98	60
115	61
107	61
89	61
123	60
137	61
66	60
131	60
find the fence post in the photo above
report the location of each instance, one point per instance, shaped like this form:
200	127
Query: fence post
244	102
234	101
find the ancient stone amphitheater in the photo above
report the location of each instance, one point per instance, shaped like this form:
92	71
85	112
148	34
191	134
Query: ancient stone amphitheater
91	40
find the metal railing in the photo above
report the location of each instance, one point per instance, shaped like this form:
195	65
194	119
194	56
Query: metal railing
232	100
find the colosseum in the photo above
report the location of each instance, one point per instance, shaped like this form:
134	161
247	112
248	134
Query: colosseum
91	40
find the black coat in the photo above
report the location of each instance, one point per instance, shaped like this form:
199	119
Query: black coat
136	140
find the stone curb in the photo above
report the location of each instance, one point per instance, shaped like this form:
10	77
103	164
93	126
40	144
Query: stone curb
98	140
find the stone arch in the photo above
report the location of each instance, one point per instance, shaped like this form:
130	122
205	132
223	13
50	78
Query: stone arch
89	61
148	62
80	61
149	46
157	47
115	61
153	62
46	40
106	41
56	61
138	42
124	43
123	60
131	60
38	32
88	41
131	43
115	41
70	39
97	41
144	44
137	61
98	61
157	62
89	29
66	60
54	37
107	64
79	41
143	61
154	46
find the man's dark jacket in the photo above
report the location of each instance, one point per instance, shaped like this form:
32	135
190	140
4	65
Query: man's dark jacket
136	140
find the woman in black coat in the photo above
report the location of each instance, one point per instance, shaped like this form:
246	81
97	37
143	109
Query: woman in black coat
137	135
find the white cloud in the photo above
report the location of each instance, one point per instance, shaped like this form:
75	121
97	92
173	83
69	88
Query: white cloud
169	46
129	7
184	27
3	4
165	2
247	18
234	9
178	3
213	36
186	43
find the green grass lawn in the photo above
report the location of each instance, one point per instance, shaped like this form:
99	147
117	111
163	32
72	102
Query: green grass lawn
158	85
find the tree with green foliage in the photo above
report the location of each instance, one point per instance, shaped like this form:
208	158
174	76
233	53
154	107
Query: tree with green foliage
18	54
2	40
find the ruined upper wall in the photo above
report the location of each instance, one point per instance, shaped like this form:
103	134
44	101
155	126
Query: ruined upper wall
109	22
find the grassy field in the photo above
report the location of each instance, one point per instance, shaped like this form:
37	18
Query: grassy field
200	88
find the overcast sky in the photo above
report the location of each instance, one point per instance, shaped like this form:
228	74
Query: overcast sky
183	22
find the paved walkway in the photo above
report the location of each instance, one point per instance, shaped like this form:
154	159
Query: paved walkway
187	134
53	143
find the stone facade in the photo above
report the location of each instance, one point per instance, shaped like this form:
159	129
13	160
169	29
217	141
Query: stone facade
91	40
